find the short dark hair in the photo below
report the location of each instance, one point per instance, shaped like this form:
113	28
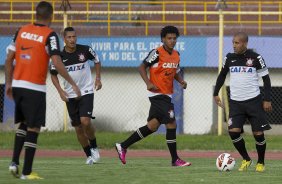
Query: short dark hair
243	35
169	29
67	29
44	10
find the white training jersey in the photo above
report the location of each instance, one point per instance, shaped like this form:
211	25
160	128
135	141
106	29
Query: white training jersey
78	66
245	70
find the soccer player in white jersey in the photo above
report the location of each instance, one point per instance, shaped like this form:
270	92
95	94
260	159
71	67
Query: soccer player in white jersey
245	67
75	58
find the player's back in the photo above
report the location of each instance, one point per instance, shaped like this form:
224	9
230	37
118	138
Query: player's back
31	56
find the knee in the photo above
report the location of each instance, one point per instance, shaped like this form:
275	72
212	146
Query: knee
258	133
235	136
153	127
85	121
259	138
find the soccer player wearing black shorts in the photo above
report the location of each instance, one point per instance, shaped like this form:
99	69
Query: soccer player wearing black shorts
32	47
245	67
75	58
163	63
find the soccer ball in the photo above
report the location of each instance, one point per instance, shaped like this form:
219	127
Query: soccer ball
225	162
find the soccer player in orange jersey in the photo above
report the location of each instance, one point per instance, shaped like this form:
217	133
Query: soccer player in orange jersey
32	47
163	64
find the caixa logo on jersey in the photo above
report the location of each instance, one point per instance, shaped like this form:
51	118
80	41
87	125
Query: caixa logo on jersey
170	65
75	68
241	69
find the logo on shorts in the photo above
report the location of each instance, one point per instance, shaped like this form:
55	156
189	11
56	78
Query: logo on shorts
230	122
262	126
171	113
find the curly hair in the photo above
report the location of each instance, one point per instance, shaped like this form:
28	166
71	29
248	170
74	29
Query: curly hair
169	29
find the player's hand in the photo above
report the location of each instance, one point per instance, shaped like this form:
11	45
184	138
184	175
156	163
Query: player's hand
152	87
267	106
64	96
76	90
183	84
218	101
8	91
98	85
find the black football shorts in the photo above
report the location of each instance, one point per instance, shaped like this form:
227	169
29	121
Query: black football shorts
162	109
251	110
81	107
30	107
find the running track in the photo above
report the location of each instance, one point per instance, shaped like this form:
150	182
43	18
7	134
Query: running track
271	155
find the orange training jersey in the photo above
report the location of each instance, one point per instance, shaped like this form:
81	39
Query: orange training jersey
163	67
33	44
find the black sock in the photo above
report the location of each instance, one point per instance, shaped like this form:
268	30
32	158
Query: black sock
139	134
93	143
30	148
260	146
87	151
19	142
239	144
171	143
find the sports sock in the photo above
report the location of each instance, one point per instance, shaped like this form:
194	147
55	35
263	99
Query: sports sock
171	143
30	148
19	142
87	151
93	143
260	146
139	134
239	144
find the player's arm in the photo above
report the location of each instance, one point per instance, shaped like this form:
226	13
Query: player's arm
152	58
54	52
9	67
94	57
56	83
263	72
179	78
220	81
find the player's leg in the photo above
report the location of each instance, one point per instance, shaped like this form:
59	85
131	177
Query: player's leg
89	132
139	134
73	110
34	110
20	134
172	146
236	121
85	114
83	140
261	147
239	144
259	125
18	145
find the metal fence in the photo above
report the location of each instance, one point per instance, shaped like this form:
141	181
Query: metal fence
108	27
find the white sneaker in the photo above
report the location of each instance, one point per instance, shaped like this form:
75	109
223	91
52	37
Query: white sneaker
14	170
89	161
95	154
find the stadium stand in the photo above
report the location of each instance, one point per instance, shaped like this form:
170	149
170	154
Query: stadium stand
149	24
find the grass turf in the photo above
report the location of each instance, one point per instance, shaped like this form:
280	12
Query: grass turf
106	140
140	170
